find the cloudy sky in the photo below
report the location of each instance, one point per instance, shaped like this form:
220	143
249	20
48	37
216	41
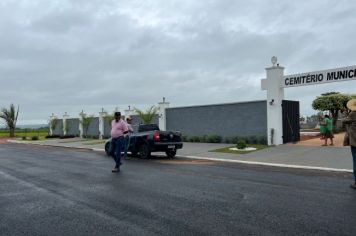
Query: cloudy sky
58	56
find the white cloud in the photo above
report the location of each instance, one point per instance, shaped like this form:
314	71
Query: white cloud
61	56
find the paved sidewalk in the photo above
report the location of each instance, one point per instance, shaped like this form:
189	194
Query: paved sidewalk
289	155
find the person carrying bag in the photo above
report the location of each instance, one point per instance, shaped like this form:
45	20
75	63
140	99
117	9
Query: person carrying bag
350	135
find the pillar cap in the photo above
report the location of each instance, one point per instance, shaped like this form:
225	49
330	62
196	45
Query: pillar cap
275	67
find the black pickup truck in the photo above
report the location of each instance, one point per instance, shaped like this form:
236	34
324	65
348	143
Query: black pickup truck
150	139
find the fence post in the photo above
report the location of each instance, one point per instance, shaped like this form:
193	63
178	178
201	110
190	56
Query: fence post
162	121
81	130
51	119
275	96
102	115
65	117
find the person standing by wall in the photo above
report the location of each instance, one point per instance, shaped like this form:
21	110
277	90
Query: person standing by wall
127	137
118	130
350	135
329	134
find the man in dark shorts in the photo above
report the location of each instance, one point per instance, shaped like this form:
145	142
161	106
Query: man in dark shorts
328	131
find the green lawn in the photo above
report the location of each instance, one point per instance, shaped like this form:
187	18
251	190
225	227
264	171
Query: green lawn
22	133
227	150
95	142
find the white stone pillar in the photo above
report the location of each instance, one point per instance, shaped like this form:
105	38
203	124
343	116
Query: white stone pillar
275	95
162	120
102	115
65	117
51	118
81	129
129	112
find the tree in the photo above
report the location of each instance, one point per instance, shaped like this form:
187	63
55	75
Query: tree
148	115
85	121
10	117
52	124
332	102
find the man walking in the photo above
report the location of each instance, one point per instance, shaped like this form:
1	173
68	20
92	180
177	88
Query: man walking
118	130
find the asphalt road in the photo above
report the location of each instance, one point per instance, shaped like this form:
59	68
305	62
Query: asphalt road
57	191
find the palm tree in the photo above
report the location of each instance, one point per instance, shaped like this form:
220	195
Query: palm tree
86	121
148	115
10	117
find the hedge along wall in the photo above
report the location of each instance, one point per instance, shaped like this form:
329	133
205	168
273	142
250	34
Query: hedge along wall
226	120
73	125
59	127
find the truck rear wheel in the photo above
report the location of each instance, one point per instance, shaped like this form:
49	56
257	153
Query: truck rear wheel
144	151
171	153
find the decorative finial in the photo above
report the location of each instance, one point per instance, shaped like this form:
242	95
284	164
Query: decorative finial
164	99
274	60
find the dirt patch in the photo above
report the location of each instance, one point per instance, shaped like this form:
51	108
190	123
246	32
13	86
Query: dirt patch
3	140
316	141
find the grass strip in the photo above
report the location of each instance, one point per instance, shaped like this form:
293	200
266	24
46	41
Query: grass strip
227	149
95	142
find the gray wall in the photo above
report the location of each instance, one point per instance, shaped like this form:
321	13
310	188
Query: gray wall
226	120
73	124
93	129
59	127
107	128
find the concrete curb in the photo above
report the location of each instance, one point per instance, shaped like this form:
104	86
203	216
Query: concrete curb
271	164
209	158
48	145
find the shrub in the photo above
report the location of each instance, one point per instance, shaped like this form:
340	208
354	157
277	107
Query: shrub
262	140
214	138
52	136
241	144
185	139
204	139
235	139
35	138
227	140
252	139
66	136
194	139
24	137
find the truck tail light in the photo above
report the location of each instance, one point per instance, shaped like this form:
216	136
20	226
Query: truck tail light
156	136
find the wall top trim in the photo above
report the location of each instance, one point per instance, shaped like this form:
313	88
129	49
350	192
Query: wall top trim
217	104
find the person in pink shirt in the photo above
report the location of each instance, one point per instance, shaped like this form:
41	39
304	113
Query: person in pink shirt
118	130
